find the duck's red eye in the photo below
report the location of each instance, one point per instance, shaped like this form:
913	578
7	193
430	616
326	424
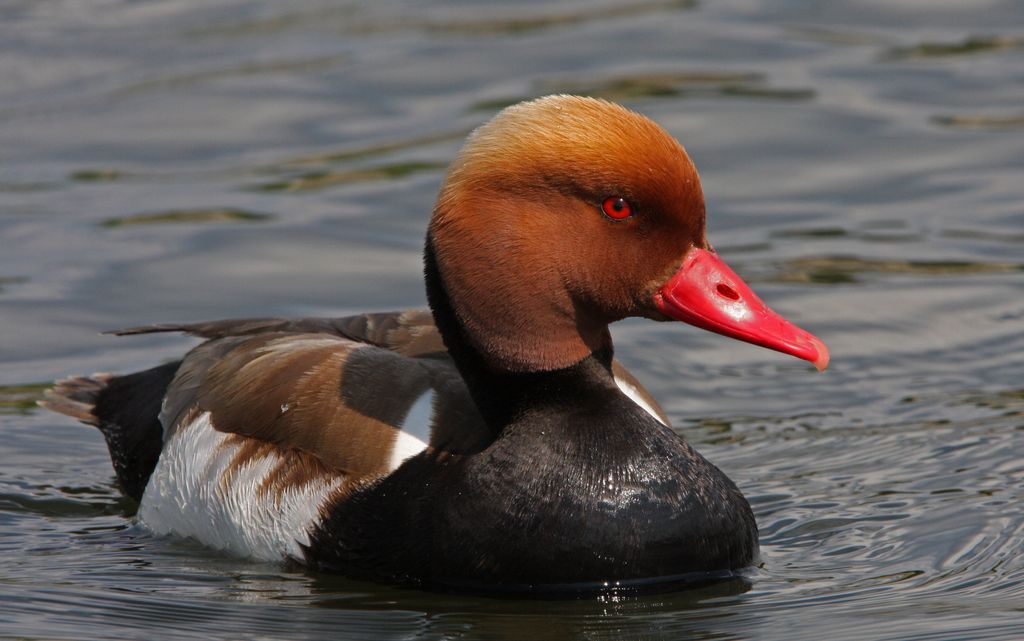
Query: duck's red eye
617	208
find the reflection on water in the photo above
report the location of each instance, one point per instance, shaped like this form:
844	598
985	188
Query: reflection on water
861	160
323	179
490	19
695	84
1015	121
371	151
187	216
966	47
21	398
834	270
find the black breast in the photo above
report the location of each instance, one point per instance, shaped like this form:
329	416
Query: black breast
586	499
587	495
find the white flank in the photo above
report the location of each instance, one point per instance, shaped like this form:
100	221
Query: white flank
634	395
188	496
415	431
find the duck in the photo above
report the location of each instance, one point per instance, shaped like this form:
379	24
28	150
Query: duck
491	442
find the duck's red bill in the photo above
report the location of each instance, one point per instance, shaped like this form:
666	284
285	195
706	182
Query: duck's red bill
706	293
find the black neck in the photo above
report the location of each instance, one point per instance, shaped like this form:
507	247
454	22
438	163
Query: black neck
502	396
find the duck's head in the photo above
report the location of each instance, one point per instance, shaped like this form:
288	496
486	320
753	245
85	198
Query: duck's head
564	214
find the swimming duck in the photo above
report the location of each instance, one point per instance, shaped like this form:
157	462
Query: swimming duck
492	442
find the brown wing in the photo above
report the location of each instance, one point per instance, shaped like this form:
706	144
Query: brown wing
339	399
410	333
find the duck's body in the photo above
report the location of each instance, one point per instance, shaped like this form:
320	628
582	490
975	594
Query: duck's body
494	444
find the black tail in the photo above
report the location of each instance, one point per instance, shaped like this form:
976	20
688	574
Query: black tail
126	409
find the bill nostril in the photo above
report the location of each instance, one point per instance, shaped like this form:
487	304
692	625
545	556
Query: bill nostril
727	292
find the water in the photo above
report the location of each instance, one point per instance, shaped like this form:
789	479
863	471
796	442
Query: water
863	165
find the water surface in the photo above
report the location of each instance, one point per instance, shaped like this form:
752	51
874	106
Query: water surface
862	162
